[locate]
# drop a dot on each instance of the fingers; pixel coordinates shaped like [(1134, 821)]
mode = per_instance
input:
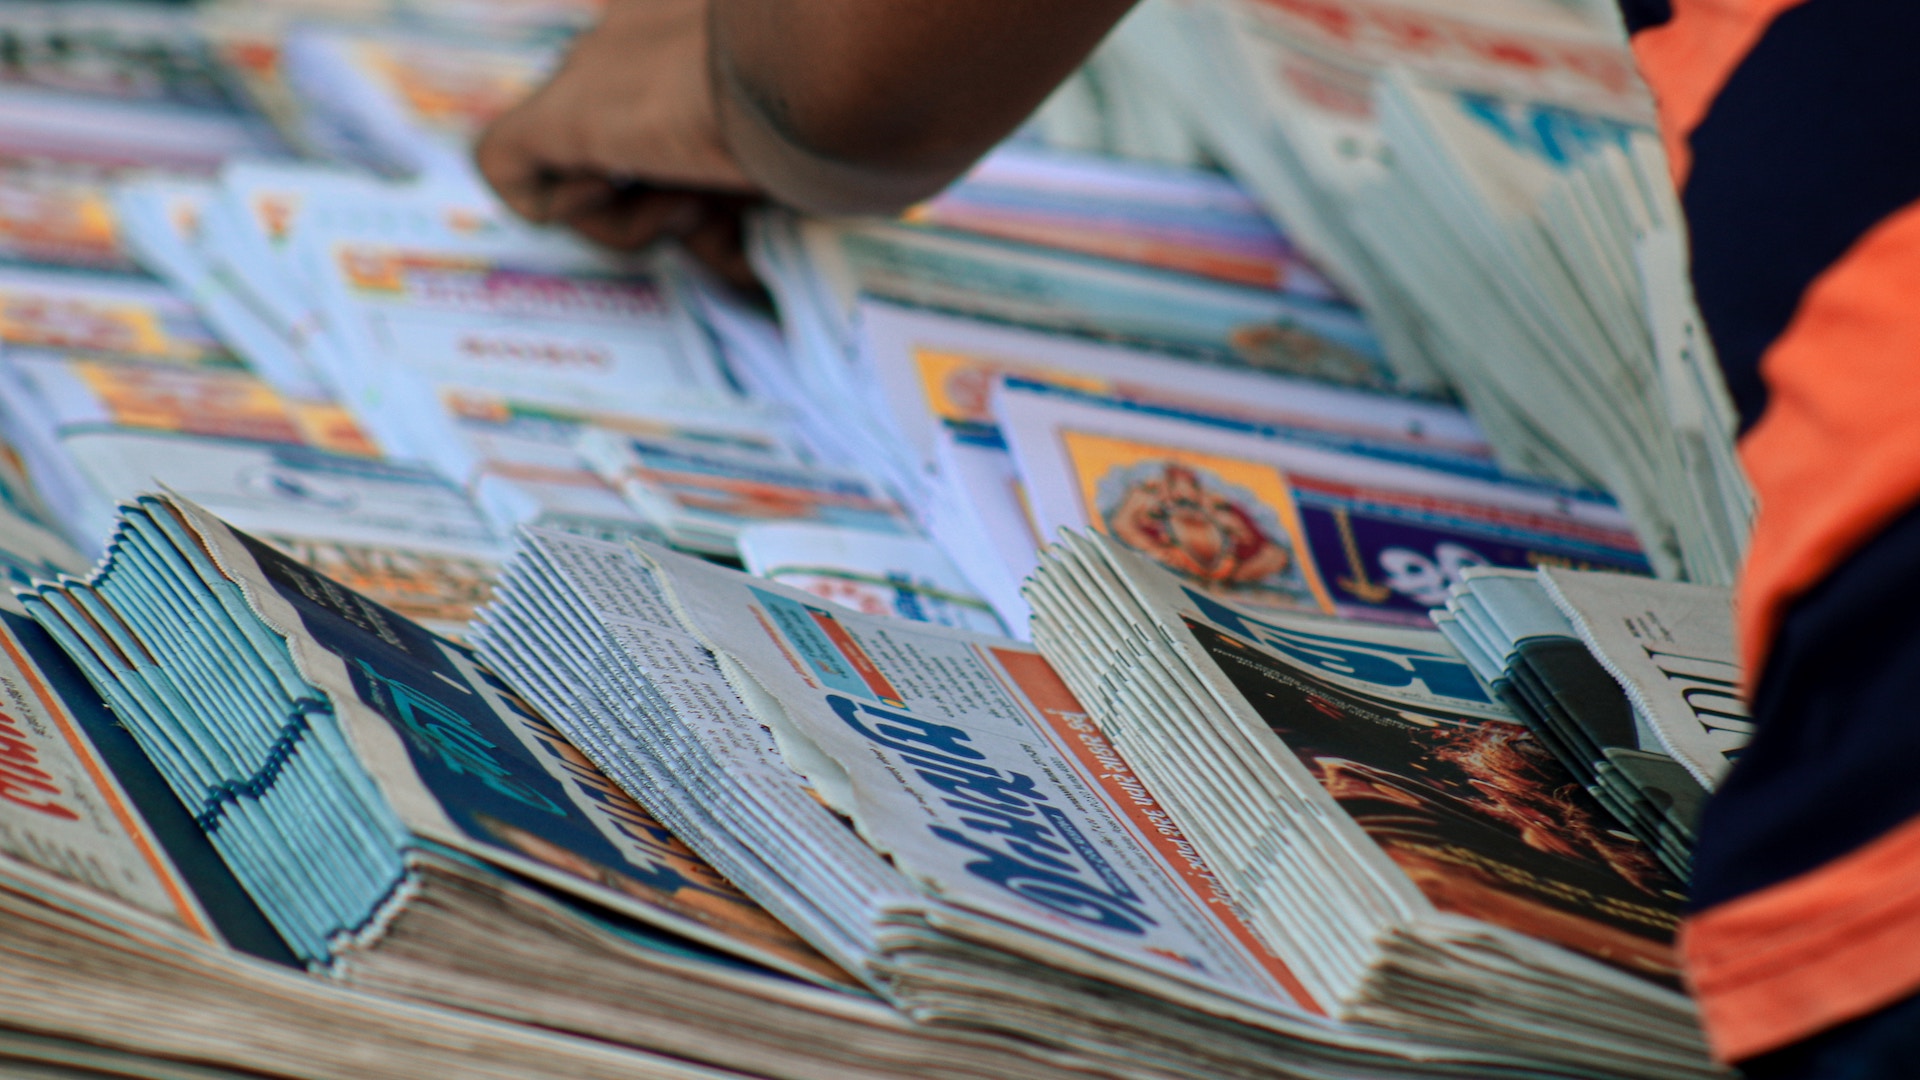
[(719, 243), (633, 100), (621, 215), (560, 156), (707, 225), (633, 218), (510, 158), (567, 197)]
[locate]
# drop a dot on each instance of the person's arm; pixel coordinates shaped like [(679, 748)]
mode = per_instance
[(867, 106), (833, 106), (622, 142)]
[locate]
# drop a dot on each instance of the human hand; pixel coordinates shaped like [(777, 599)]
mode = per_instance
[(623, 143)]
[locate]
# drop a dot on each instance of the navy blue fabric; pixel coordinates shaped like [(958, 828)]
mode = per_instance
[(1882, 1046), (1835, 762), (1811, 143), (1643, 14)]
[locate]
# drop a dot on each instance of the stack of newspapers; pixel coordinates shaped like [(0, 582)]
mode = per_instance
[(133, 948), (1632, 684), (1024, 863), (1386, 827), (894, 846), (1486, 180), (382, 695)]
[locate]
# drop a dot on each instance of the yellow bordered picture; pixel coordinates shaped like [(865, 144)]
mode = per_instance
[(1226, 524)]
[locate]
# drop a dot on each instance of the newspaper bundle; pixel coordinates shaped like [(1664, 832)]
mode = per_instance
[(1632, 683), (117, 906), (1485, 180), (1388, 829), (1008, 867)]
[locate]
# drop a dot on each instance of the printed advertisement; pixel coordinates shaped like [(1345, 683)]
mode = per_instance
[(1482, 818), (1251, 531)]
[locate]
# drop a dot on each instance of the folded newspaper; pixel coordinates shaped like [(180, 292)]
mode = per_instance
[(1632, 683), (1008, 869), (701, 495), (1391, 832)]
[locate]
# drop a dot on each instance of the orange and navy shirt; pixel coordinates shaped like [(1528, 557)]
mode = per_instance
[(1793, 129)]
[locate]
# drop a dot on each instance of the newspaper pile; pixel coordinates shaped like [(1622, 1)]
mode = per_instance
[(646, 816), (1013, 864), (397, 817), (132, 949), (1484, 178), (1387, 829), (1013, 391), (1633, 684)]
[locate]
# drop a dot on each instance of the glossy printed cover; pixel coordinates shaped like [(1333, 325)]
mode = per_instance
[(1482, 818), (512, 788), (1393, 726)]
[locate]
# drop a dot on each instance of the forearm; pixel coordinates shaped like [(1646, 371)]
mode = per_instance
[(866, 106), (832, 106)]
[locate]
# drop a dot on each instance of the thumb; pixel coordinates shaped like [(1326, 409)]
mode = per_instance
[(521, 170)]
